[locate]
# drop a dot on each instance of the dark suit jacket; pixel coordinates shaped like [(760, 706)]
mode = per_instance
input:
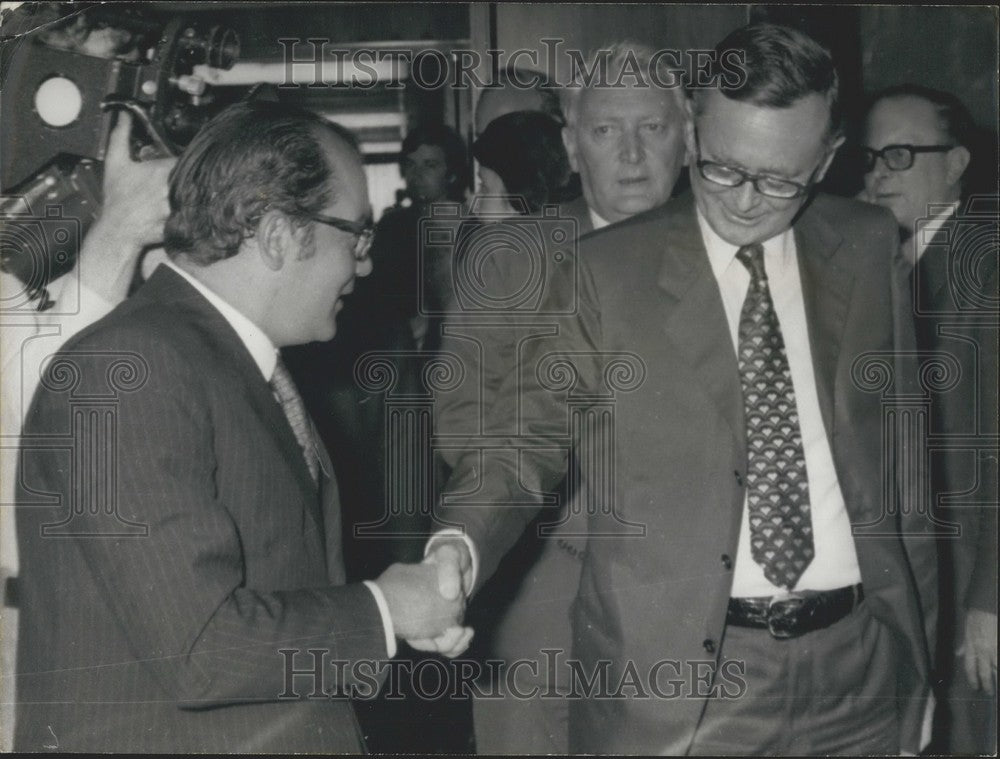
[(645, 291), (955, 298), (167, 638)]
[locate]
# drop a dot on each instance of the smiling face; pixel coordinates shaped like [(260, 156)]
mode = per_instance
[(628, 146), (933, 178), (786, 143), (321, 270)]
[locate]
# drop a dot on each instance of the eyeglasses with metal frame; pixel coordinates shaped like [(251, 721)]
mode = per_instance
[(769, 186)]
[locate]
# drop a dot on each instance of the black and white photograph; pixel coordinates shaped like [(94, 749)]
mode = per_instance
[(496, 378)]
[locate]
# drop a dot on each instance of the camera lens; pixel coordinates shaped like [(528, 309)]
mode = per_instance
[(58, 101)]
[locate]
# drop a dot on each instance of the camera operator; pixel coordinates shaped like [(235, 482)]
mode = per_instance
[(134, 210)]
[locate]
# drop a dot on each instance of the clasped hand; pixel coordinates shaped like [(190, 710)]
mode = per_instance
[(427, 601)]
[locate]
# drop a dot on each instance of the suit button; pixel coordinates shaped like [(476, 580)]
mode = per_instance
[(726, 561), (709, 645), (739, 478)]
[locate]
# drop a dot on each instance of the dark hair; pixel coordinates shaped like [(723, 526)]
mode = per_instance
[(453, 147), (546, 87), (251, 158), (781, 65), (956, 121), (525, 148)]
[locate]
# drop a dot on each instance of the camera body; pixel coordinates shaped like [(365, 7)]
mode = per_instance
[(502, 265), (55, 100), (57, 105)]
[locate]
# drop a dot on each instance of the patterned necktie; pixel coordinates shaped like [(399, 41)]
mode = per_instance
[(288, 396), (777, 487)]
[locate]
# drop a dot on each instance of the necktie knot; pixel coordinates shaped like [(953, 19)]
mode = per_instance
[(752, 257)]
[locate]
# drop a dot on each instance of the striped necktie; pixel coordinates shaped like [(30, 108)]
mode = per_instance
[(288, 396)]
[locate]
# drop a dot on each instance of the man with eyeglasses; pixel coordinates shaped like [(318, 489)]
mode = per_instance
[(182, 580), (917, 144), (726, 602)]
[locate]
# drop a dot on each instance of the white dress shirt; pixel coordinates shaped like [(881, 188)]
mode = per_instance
[(27, 338), (925, 231), (835, 563), (596, 219), (265, 355)]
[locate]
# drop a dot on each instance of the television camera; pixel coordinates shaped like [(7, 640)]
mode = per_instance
[(58, 101)]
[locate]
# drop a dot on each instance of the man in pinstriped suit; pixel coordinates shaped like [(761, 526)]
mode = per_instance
[(178, 525)]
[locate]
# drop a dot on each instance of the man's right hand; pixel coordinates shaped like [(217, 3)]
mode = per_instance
[(417, 608), (133, 212), (453, 562)]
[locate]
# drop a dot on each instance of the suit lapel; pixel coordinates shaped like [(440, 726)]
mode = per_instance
[(693, 315), (168, 287), (826, 290)]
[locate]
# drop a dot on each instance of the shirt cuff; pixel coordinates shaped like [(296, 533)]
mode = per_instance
[(452, 532), (383, 609), (928, 723)]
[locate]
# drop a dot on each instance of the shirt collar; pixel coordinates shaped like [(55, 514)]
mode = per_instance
[(598, 221), (261, 349), (721, 254), (927, 229)]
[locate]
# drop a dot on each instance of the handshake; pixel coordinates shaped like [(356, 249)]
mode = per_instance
[(427, 601)]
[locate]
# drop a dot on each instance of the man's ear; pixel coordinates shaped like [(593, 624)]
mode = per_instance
[(275, 239), (957, 162), (831, 152), (569, 142), (691, 153)]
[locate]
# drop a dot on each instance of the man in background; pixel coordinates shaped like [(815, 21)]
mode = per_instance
[(627, 144), (191, 563), (918, 146)]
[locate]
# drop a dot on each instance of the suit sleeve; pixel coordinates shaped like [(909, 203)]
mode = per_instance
[(523, 412), (180, 594), (919, 539)]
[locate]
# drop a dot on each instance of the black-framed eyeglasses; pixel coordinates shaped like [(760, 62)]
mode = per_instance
[(730, 176), (364, 230), (899, 157)]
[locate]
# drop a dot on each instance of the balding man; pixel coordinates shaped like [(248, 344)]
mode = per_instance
[(174, 592), (627, 143)]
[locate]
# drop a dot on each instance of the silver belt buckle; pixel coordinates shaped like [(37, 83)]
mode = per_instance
[(778, 624)]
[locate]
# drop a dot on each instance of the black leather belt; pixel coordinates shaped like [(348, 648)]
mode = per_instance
[(797, 613)]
